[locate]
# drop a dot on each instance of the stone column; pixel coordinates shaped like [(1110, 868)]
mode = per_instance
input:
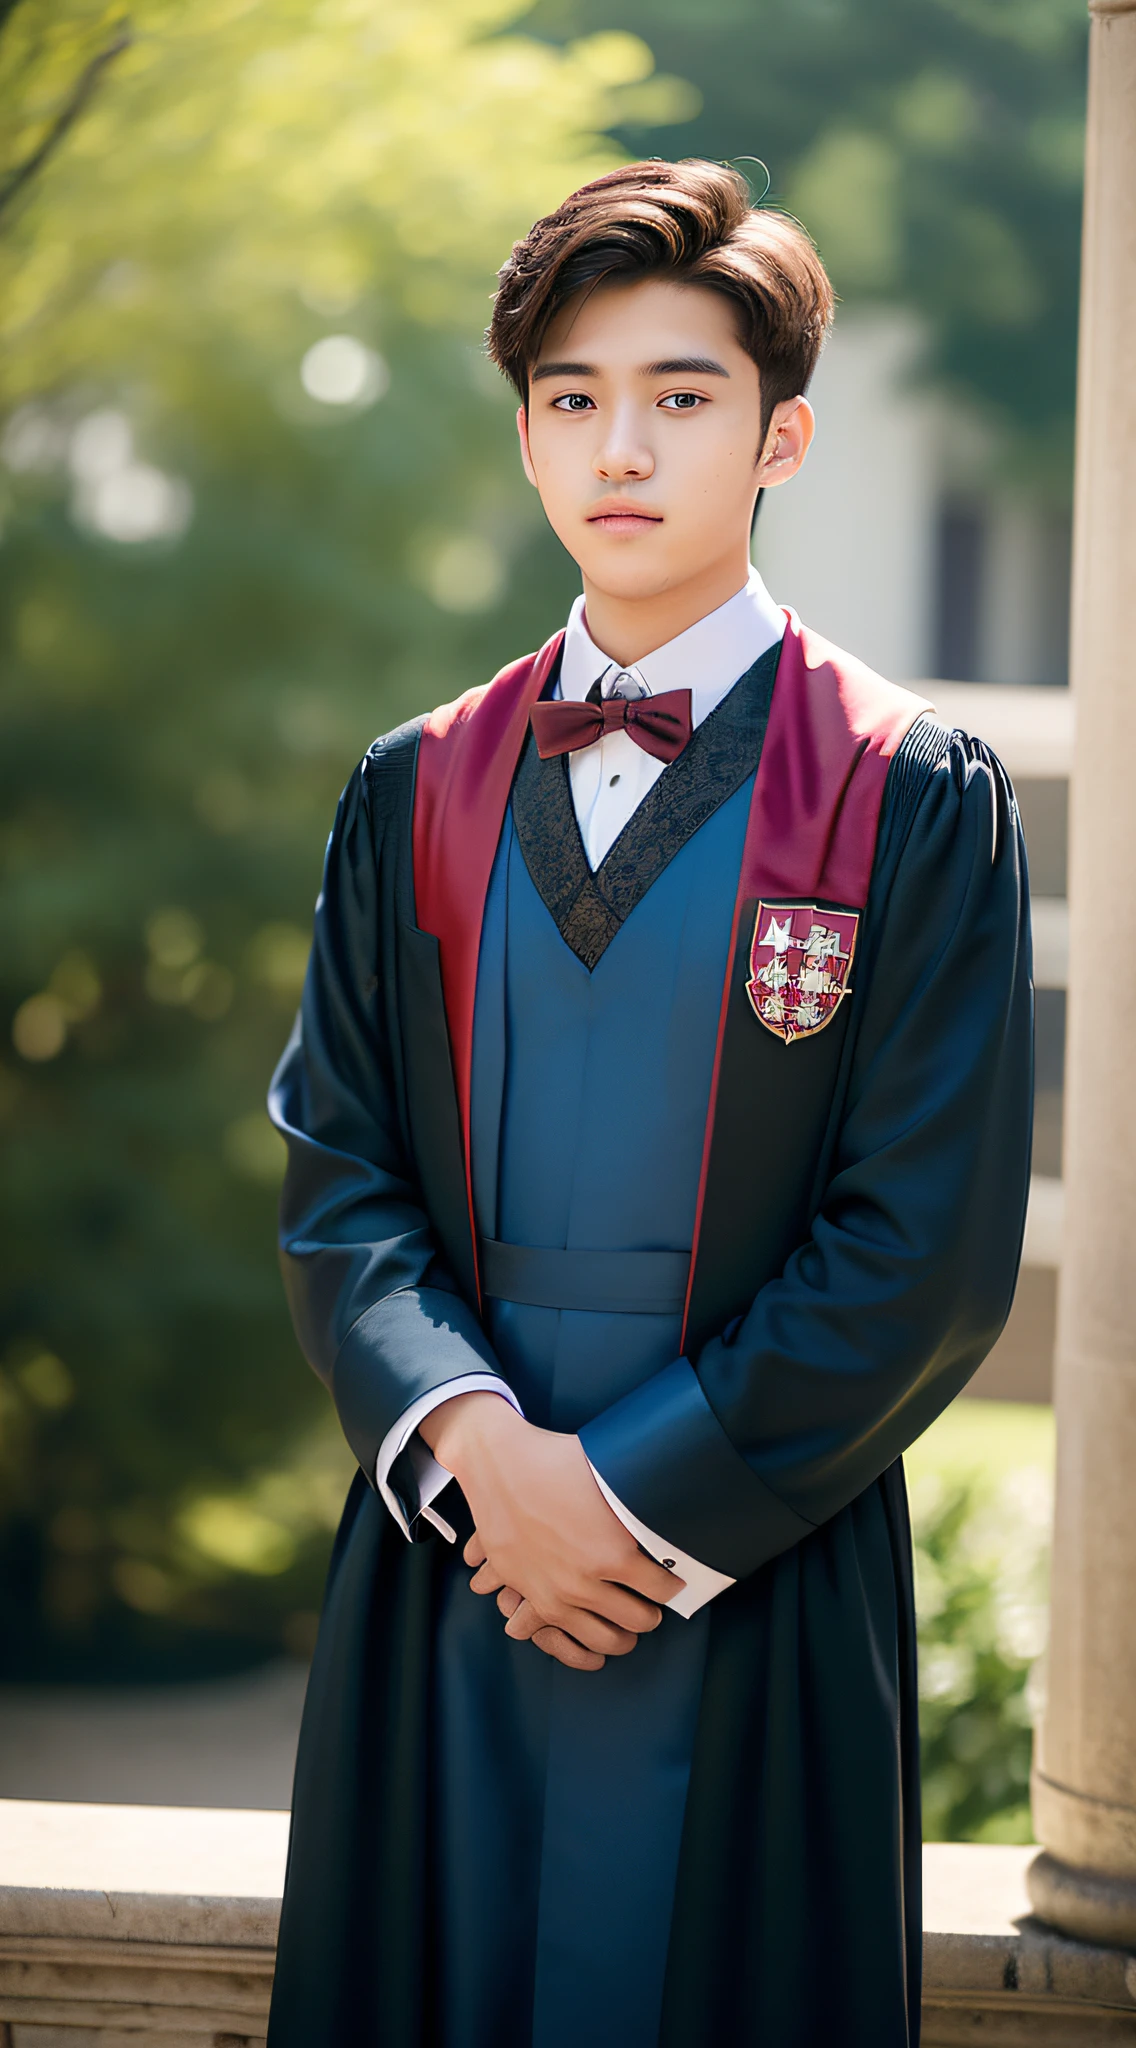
[(1085, 1766)]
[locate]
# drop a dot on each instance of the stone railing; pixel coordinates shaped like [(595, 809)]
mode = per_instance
[(993, 1974), (152, 1927), (126, 1926)]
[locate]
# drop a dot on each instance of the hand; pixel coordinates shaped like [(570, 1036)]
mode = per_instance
[(529, 1626), (544, 1528)]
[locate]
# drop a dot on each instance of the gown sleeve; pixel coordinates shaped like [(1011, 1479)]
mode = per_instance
[(376, 1310), (906, 1279)]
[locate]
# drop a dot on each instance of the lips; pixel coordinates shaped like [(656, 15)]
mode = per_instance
[(623, 519)]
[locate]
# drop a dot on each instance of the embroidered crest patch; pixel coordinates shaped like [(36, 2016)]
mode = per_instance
[(799, 964)]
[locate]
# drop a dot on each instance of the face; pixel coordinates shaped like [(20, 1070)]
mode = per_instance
[(643, 437)]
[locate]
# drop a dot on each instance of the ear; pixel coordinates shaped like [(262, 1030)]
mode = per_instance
[(526, 452), (787, 443)]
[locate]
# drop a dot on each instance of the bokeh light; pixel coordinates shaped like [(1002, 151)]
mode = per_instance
[(339, 370)]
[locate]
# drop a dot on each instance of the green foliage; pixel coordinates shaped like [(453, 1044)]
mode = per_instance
[(220, 585), (981, 1525), (934, 150), (250, 169)]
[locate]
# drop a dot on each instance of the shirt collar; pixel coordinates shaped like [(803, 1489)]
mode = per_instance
[(706, 659)]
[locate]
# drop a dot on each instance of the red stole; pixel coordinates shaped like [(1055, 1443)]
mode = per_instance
[(833, 728)]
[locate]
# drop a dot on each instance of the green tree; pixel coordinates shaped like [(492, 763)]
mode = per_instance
[(932, 147), (261, 502), (52, 65)]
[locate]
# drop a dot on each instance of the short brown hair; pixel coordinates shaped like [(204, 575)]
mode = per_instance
[(692, 222)]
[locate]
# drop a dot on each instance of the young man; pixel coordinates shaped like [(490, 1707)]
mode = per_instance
[(658, 1118)]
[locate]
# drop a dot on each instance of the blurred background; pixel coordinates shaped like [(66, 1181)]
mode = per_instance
[(259, 501)]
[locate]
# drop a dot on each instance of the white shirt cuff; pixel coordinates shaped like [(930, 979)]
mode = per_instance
[(703, 1583), (430, 1477)]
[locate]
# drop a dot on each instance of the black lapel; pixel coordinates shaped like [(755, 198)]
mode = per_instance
[(588, 908)]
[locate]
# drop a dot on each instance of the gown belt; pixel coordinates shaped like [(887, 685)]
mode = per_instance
[(621, 1283)]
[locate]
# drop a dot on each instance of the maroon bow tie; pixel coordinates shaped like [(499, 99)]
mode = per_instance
[(660, 725)]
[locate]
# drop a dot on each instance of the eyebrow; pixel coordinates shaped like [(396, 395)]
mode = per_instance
[(695, 366), (563, 370), (673, 366)]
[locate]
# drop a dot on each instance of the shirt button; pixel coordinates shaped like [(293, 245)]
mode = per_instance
[(612, 783), (668, 1564)]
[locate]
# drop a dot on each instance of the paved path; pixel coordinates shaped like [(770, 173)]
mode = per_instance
[(229, 1742)]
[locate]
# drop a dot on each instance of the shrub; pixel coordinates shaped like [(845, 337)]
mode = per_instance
[(981, 1559)]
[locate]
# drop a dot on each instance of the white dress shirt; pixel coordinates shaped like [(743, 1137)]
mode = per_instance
[(609, 780), (611, 777)]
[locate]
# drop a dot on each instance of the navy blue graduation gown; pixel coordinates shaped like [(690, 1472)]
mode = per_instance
[(715, 1838)]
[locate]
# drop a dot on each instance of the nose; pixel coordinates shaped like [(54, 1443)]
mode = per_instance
[(623, 455)]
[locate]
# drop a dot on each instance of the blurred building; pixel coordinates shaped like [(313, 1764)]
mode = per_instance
[(901, 540)]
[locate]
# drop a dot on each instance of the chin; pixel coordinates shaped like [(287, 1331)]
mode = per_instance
[(631, 580)]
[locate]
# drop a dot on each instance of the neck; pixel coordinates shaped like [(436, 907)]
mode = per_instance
[(627, 628)]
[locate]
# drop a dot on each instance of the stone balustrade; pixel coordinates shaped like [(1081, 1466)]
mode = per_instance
[(137, 1926), (153, 1927)]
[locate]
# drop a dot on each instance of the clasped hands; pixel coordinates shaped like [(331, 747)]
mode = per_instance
[(568, 1576)]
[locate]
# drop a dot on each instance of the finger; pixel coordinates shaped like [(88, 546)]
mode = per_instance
[(592, 1630), (566, 1650), (508, 1600), (644, 1576), (523, 1619), (524, 1623), (527, 1625), (616, 1604), (474, 1552), (487, 1580)]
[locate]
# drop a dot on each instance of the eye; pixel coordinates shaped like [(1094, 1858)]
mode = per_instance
[(574, 401), (682, 401)]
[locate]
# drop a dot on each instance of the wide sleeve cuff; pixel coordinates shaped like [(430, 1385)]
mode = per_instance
[(662, 1450), (406, 1345), (699, 1582), (407, 1473)]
